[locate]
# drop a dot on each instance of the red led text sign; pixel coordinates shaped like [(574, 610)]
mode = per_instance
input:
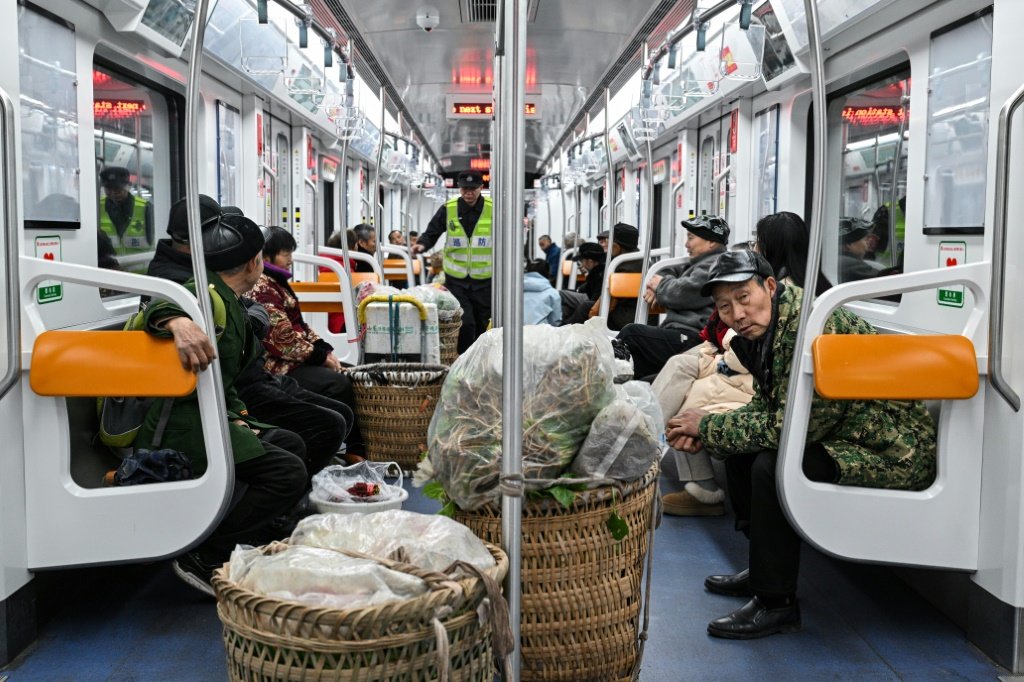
[(873, 116), (117, 108)]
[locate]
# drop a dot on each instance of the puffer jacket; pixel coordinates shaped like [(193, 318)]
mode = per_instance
[(875, 443), (703, 378), (541, 303), (290, 341), (679, 292)]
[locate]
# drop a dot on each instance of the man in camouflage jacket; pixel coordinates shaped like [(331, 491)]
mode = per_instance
[(869, 443)]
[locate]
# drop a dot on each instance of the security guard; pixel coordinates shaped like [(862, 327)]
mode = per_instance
[(125, 218), (468, 253)]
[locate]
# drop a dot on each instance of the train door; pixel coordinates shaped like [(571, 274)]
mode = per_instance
[(268, 168), (718, 172), (282, 194)]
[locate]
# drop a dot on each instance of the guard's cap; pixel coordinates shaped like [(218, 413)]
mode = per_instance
[(709, 227), (736, 266), (470, 179), (232, 241), (115, 177)]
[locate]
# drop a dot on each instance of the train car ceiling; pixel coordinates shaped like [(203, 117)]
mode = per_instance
[(445, 76)]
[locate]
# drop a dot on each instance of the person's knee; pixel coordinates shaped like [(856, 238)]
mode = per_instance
[(629, 332), (287, 440)]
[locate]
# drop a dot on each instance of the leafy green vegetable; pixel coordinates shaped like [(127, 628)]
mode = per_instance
[(448, 509), (565, 496), (617, 525), (435, 491)]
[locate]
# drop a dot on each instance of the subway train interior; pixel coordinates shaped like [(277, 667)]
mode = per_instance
[(318, 115)]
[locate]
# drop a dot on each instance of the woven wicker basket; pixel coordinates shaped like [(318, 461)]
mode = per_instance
[(581, 589), (449, 324), (394, 404), (269, 639)]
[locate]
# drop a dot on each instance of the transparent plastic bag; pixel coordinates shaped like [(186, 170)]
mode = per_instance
[(429, 541), (567, 380), (360, 482), (621, 444), (365, 289), (321, 577), (642, 395), (436, 294)]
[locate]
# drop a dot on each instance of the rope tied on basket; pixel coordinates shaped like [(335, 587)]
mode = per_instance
[(494, 609), (511, 485), (515, 485)]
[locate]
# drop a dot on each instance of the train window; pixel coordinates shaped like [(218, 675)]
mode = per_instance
[(766, 128), (716, 182), (124, 155), (957, 142), (708, 170), (229, 174), (872, 121), (49, 123)]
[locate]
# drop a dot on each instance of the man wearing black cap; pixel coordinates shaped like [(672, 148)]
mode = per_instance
[(125, 218), (269, 465), (854, 238), (620, 312), (866, 443), (468, 253), (678, 291)]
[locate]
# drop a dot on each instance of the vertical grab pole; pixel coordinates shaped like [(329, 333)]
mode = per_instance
[(10, 209), (511, 155), (649, 235), (817, 60), (498, 189), (609, 200), (375, 208), (195, 233)]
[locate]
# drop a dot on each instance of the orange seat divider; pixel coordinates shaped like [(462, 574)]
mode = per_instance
[(328, 276), (107, 363), (624, 284), (398, 265), (321, 287), (566, 268), (894, 367)]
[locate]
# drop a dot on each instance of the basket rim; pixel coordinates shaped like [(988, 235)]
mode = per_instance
[(362, 372), (469, 590)]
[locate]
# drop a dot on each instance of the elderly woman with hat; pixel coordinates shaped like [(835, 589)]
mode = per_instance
[(678, 291)]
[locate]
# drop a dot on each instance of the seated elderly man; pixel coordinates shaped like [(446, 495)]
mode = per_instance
[(868, 443), (678, 291)]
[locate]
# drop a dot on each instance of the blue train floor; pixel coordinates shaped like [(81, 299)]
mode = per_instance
[(859, 623)]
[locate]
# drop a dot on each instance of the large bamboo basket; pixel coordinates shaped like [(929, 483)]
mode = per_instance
[(581, 589), (271, 640), (394, 404), (449, 325)]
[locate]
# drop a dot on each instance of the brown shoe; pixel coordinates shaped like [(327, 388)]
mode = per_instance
[(683, 503)]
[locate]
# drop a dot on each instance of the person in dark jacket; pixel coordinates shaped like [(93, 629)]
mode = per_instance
[(320, 421), (576, 304), (552, 254), (620, 312), (268, 462), (678, 291)]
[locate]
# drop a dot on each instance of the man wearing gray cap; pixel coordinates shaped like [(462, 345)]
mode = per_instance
[(865, 443), (124, 217), (468, 253), (269, 469), (854, 236)]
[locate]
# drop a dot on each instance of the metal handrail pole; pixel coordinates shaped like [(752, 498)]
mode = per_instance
[(13, 373), (609, 200), (649, 228), (375, 207)]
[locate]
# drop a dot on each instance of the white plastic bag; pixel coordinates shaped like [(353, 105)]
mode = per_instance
[(642, 395), (567, 379), (337, 483), (436, 294), (429, 541), (321, 577)]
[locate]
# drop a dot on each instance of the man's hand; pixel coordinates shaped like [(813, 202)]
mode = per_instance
[(194, 347), (418, 248), (687, 444), (684, 424), (332, 362), (651, 288)]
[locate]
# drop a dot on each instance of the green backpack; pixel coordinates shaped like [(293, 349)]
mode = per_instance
[(121, 418)]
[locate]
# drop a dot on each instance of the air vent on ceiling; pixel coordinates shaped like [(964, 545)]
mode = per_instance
[(484, 11)]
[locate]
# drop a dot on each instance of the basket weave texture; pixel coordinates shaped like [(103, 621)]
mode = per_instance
[(394, 404), (270, 639), (449, 324), (581, 589)]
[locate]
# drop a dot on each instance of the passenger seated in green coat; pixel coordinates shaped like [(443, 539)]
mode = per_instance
[(870, 443), (270, 476)]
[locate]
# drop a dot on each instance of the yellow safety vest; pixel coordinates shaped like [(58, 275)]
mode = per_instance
[(465, 256), (134, 239)]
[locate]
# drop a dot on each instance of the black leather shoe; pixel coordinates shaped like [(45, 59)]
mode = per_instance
[(752, 620), (730, 585)]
